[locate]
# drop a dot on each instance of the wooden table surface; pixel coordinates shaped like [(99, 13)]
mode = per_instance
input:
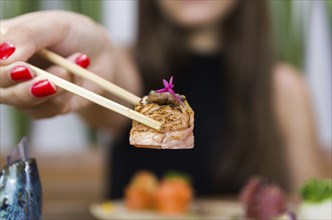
[(70, 183)]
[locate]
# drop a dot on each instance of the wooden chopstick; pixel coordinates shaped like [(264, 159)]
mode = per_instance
[(86, 74), (100, 100), (95, 98)]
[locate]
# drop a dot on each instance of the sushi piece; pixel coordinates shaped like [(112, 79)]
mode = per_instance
[(263, 200), (173, 195), (175, 114), (139, 193)]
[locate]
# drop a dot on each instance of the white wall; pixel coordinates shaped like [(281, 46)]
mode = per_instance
[(318, 67), (120, 18)]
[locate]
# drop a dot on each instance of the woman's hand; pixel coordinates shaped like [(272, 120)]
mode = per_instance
[(68, 34)]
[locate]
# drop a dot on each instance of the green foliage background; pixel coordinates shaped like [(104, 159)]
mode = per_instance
[(12, 8)]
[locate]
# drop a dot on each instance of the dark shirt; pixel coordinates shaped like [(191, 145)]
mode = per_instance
[(201, 84)]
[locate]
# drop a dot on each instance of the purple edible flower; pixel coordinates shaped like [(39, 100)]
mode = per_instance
[(169, 88)]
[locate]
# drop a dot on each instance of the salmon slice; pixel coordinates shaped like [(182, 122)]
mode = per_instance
[(139, 194)]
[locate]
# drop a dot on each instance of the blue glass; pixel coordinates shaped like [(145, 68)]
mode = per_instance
[(20, 187)]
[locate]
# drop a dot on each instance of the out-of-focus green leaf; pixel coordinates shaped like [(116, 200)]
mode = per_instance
[(316, 191), (12, 8), (21, 124), (172, 174), (329, 8), (288, 38), (91, 8)]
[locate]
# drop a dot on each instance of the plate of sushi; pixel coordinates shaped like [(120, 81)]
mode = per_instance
[(172, 197)]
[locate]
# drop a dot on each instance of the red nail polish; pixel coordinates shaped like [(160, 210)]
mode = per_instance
[(6, 49), (19, 73), (42, 88), (82, 60)]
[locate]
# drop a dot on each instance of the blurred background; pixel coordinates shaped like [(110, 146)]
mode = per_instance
[(302, 34)]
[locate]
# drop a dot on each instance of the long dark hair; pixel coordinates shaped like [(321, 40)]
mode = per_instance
[(251, 129)]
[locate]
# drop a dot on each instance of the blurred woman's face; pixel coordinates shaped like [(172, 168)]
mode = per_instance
[(196, 13)]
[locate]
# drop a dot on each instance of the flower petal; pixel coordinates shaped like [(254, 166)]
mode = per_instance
[(165, 83), (168, 88), (162, 90), (171, 81)]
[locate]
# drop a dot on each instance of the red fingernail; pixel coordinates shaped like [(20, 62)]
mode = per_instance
[(19, 73), (6, 49), (82, 60), (42, 88)]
